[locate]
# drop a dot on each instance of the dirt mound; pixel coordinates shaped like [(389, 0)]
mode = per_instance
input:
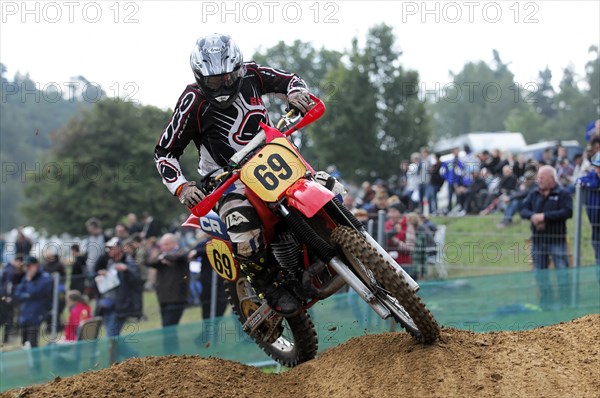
[(560, 360)]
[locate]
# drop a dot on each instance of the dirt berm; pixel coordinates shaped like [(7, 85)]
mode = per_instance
[(556, 361)]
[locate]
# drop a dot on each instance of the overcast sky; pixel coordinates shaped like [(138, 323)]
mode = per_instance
[(140, 49)]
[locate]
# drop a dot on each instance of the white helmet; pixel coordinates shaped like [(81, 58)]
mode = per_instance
[(218, 66)]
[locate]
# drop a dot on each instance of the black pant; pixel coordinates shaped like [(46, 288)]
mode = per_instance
[(30, 333), (170, 313), (6, 319)]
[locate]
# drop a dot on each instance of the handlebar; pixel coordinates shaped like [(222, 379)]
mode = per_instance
[(286, 118), (211, 200)]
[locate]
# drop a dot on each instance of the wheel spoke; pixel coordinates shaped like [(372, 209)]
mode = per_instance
[(407, 307), (296, 340)]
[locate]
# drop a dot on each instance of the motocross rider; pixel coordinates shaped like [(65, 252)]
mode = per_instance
[(221, 113)]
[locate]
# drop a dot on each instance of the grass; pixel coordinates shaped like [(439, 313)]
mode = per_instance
[(475, 246)]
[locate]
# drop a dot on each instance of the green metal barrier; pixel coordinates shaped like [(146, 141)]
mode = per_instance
[(480, 304)]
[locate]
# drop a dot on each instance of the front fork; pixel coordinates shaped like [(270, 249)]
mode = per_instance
[(328, 255), (347, 218), (359, 287)]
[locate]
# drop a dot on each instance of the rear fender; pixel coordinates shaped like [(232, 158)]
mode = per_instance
[(308, 196)]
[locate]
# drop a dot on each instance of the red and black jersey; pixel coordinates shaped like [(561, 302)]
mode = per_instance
[(218, 133)]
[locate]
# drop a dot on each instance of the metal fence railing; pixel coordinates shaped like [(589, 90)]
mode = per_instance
[(586, 208)]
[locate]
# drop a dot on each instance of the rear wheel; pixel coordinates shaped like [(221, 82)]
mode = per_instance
[(407, 308), (289, 341)]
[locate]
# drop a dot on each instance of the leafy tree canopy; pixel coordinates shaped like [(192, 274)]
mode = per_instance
[(102, 165)]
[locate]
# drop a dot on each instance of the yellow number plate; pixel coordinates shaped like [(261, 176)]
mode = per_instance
[(273, 170), (221, 259)]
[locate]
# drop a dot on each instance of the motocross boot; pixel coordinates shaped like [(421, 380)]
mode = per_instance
[(263, 281)]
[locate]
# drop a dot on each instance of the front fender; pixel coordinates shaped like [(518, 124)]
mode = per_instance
[(308, 196)]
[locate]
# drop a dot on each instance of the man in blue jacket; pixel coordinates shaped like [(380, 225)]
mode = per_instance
[(33, 293), (121, 298), (548, 208), (590, 183), (458, 179)]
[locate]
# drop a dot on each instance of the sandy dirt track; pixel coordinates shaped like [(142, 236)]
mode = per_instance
[(556, 361)]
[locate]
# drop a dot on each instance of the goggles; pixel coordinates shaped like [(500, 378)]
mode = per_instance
[(227, 80)]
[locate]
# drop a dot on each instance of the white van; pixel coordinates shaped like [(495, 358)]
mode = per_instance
[(477, 142), (481, 141), (536, 151)]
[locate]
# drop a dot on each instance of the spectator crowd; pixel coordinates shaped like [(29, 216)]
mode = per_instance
[(539, 191), (105, 276), (474, 183)]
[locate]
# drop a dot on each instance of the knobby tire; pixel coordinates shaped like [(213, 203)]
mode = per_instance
[(427, 329), (305, 343)]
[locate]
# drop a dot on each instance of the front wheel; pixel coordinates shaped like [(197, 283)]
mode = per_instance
[(407, 308), (289, 341)]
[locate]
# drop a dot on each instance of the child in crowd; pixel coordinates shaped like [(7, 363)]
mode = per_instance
[(79, 311)]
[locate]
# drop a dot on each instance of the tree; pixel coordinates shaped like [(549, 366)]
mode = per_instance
[(309, 63), (575, 109), (480, 98), (543, 95), (346, 136), (530, 123), (375, 119), (571, 109), (593, 77), (301, 58), (402, 120), (28, 116), (3, 79), (103, 167)]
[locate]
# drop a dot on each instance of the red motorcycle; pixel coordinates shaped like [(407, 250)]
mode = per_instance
[(315, 242)]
